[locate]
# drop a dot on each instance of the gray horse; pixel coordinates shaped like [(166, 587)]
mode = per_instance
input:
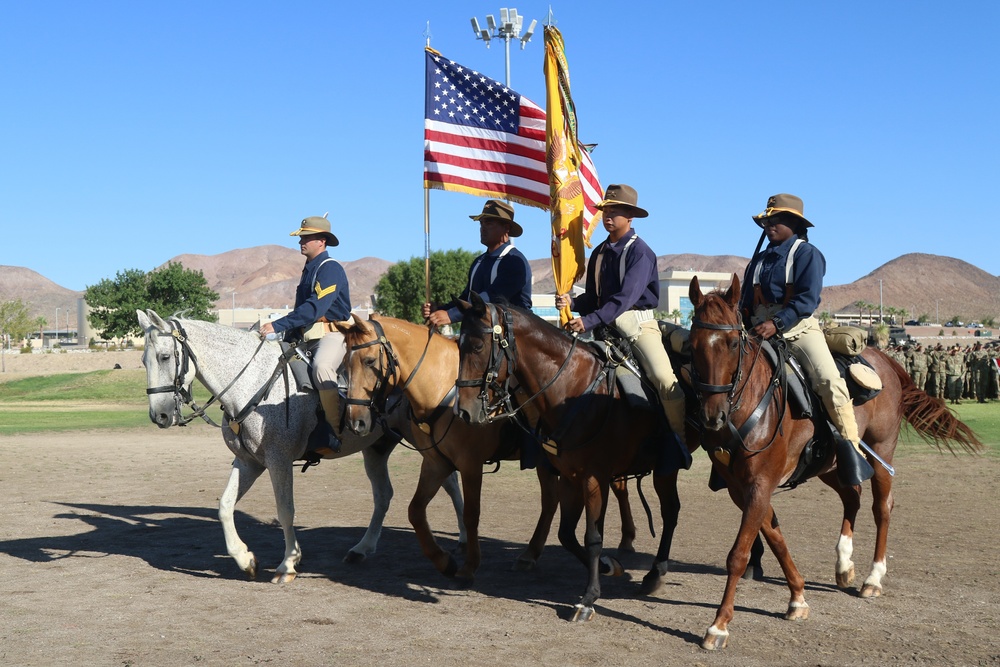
[(234, 365)]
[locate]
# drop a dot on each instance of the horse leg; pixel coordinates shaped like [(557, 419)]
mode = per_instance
[(432, 476), (377, 468), (241, 478), (850, 497), (472, 485), (594, 500), (281, 482), (758, 515), (454, 491), (548, 486), (882, 503), (670, 508), (755, 568), (620, 488)]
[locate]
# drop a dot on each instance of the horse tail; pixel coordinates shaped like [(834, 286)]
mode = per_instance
[(931, 418)]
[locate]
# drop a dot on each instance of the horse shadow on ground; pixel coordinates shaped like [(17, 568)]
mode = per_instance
[(189, 540)]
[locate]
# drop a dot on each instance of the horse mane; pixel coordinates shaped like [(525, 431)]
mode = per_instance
[(715, 308)]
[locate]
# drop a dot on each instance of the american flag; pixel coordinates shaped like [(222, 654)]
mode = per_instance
[(484, 139)]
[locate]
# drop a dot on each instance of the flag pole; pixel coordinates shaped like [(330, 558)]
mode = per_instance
[(427, 215)]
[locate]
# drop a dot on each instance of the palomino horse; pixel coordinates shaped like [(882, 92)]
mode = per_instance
[(385, 354), (234, 365), (510, 356), (739, 394)]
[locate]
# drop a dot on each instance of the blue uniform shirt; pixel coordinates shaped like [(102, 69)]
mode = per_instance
[(513, 279), (807, 280), (640, 289), (322, 292)]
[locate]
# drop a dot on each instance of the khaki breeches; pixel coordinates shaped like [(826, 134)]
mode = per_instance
[(327, 357)]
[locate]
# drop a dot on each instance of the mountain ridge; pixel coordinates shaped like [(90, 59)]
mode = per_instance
[(265, 277)]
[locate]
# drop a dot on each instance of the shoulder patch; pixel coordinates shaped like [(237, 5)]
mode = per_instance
[(323, 291)]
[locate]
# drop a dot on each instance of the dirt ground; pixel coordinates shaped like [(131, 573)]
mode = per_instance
[(112, 555)]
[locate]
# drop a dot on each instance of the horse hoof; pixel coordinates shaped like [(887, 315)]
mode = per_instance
[(251, 568), (846, 578), (583, 614), (283, 577), (524, 564), (651, 583), (626, 548), (715, 639), (464, 580), (354, 557), (755, 572), (871, 591), (797, 611), (450, 568), (611, 567)]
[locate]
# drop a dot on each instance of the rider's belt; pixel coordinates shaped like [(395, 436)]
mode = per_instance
[(318, 330), (628, 322)]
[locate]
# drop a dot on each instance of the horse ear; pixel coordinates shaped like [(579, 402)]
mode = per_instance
[(346, 326), (733, 293), (694, 292), (144, 322), (157, 321)]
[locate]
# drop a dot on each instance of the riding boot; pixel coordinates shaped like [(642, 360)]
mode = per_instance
[(676, 454), (853, 467), (326, 443)]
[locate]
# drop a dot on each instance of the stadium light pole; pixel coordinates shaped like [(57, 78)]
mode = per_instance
[(57, 326), (507, 29)]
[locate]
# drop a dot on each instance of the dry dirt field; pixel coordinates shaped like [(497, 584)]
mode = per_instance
[(112, 555)]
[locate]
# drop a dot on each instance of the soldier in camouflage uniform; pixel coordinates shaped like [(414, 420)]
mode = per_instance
[(954, 365), (918, 367), (993, 383), (978, 368)]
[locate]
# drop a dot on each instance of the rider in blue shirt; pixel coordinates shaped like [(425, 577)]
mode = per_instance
[(781, 291), (500, 272), (321, 298)]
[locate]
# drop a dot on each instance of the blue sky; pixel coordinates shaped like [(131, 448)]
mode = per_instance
[(137, 131)]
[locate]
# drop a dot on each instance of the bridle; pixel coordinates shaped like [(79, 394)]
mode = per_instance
[(385, 377), (503, 348), (185, 358), (738, 384)]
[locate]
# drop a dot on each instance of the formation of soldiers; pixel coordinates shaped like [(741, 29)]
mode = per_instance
[(952, 372)]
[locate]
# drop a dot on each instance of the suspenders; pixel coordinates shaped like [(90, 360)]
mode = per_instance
[(758, 294), (621, 264), (496, 265)]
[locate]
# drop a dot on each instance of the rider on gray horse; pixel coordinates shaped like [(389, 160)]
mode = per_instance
[(321, 298)]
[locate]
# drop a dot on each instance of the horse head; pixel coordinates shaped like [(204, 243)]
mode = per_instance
[(485, 343), (370, 368), (718, 344), (170, 369)]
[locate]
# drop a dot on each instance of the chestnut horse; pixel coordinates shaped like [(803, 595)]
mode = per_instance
[(386, 354), (732, 379), (510, 356)]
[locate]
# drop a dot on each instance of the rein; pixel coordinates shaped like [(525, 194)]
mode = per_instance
[(736, 388), (388, 367), (186, 356), (504, 347)]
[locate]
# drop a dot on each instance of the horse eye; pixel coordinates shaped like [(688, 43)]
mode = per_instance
[(369, 362), (165, 357)]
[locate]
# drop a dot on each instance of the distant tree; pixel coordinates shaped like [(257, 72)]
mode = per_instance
[(168, 290), (401, 291), (15, 324), (825, 319), (862, 306), (675, 315), (924, 318), (988, 321), (880, 332)]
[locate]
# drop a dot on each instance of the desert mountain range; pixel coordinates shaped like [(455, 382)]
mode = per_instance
[(266, 276)]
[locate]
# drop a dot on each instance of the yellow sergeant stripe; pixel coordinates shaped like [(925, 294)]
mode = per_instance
[(323, 291)]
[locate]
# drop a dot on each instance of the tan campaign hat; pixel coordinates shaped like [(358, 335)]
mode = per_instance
[(317, 225)]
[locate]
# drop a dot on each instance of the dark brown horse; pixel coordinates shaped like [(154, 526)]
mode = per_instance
[(514, 362), (733, 380), (387, 354)]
